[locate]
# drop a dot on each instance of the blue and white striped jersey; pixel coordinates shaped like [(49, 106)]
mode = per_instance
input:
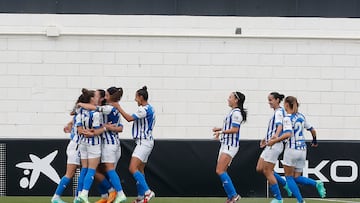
[(74, 136), (233, 119), (144, 121), (89, 119), (295, 124), (275, 121), (110, 115)]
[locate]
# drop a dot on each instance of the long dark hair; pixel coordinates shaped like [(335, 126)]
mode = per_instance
[(143, 92), (85, 97), (102, 95), (277, 95), (240, 104), (115, 93)]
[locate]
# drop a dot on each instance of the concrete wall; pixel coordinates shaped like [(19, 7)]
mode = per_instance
[(190, 65)]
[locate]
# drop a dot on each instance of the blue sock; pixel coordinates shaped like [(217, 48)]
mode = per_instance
[(305, 181), (104, 186), (228, 185), (89, 178), (62, 185), (81, 178), (279, 179), (294, 188), (115, 180), (276, 191), (140, 179)]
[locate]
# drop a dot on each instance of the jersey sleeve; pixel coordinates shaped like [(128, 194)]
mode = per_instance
[(279, 118), (307, 125), (119, 123), (96, 120), (78, 121), (236, 119), (287, 126), (105, 109), (140, 113)]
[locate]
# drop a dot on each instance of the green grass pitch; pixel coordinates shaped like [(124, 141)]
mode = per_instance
[(179, 200)]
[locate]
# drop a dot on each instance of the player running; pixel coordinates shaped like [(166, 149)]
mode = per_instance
[(143, 123), (229, 136), (270, 154), (295, 149)]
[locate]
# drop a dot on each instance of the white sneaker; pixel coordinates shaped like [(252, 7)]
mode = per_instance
[(148, 196)]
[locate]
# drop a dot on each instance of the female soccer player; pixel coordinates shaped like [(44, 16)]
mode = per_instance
[(88, 124), (270, 155), (143, 124), (229, 136), (110, 149), (73, 158), (295, 149)]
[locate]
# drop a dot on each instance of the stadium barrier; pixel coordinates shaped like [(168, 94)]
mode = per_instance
[(30, 167)]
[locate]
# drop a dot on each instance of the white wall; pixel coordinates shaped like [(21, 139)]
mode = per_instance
[(190, 65)]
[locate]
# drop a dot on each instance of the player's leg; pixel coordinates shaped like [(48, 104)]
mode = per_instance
[(270, 156), (94, 153), (65, 180), (226, 154), (73, 161), (138, 160), (319, 185), (104, 186), (290, 159)]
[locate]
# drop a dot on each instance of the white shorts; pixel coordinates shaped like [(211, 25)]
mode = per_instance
[(271, 153), (110, 153), (73, 153), (295, 158), (88, 151), (229, 150), (143, 149)]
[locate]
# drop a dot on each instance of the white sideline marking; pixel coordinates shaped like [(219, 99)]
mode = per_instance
[(333, 200)]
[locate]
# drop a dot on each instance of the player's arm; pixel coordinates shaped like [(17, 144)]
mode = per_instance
[(86, 106), (113, 127), (313, 134), (287, 131), (279, 124), (127, 116), (68, 126)]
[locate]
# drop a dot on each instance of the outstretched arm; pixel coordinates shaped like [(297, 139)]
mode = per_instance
[(127, 116)]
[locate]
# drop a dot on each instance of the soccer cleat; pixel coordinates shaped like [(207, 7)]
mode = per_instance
[(287, 189), (138, 200), (121, 198), (102, 200), (235, 198), (148, 196), (112, 196), (320, 188), (77, 200), (83, 199), (57, 200), (276, 201)]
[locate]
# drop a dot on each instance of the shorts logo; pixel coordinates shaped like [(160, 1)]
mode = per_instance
[(37, 166)]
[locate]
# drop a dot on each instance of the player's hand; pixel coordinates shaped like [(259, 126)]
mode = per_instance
[(88, 133), (109, 126), (215, 129), (216, 135), (271, 142), (314, 142), (262, 143), (67, 129)]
